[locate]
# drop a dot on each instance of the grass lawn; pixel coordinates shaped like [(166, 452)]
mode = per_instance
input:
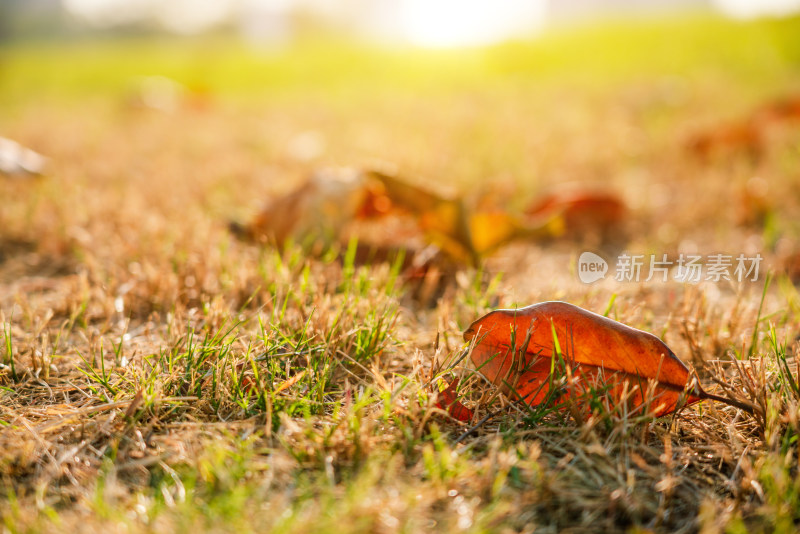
[(160, 375)]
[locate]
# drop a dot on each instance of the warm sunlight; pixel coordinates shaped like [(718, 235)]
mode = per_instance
[(443, 23), (449, 23), (425, 23), (745, 9)]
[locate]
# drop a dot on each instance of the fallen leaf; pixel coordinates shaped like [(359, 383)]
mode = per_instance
[(491, 230), (448, 401), (444, 220), (754, 203), (317, 210), (385, 212), (247, 384), (463, 235), (332, 200), (782, 109), (578, 212), (790, 265), (748, 134), (740, 136), (522, 352)]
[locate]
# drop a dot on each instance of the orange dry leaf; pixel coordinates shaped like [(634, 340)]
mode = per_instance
[(742, 136), (492, 230), (448, 401), (755, 205), (748, 134), (556, 350), (464, 236), (581, 211), (337, 204), (790, 265), (442, 219), (785, 108), (319, 209), (332, 201)]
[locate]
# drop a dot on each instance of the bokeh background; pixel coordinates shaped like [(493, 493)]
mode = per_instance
[(160, 374), (171, 118), (437, 24)]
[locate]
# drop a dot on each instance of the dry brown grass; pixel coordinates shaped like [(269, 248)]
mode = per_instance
[(169, 378)]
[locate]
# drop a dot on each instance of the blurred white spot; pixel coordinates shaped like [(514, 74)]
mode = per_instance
[(192, 16), (450, 23), (16, 160), (389, 520), (108, 12), (687, 246), (747, 9), (159, 93), (266, 22), (667, 233), (306, 146)]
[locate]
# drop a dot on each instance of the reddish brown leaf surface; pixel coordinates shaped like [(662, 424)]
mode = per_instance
[(786, 108), (755, 203), (581, 211), (448, 401), (748, 134), (742, 136), (319, 208), (386, 211), (625, 364)]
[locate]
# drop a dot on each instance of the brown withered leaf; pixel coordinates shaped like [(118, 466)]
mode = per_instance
[(491, 230), (755, 204), (443, 220), (335, 205), (558, 352), (789, 263), (448, 401), (785, 108), (326, 206), (581, 211), (320, 208), (740, 136), (748, 134), (463, 235)]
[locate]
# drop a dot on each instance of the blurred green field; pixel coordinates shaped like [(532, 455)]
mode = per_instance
[(756, 55)]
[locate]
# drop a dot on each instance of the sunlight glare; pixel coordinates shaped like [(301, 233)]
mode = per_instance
[(746, 9), (452, 23), (107, 12)]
